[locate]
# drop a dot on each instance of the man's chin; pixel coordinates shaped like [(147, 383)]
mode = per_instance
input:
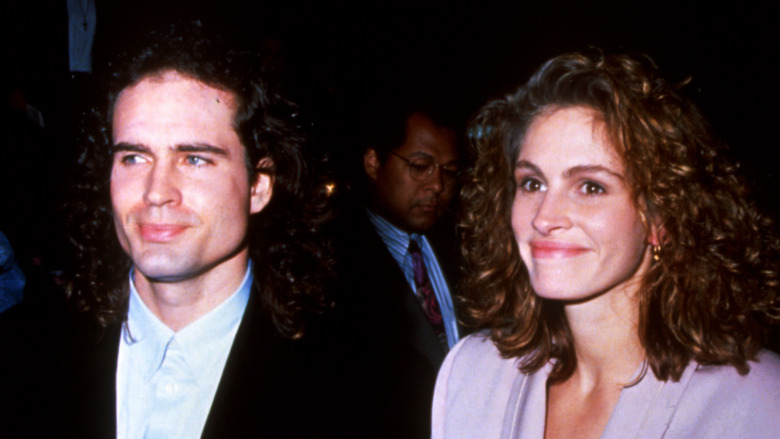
[(422, 223), (164, 268)]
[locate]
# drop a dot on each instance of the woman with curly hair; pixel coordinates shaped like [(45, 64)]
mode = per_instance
[(622, 279)]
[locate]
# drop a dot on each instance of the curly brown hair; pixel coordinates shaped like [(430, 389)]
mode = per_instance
[(713, 292), (292, 260)]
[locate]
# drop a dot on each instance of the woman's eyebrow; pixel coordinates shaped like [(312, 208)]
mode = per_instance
[(571, 172), (525, 164), (590, 169)]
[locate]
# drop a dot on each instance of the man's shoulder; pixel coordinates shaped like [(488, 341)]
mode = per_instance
[(359, 247), (67, 357), (353, 226)]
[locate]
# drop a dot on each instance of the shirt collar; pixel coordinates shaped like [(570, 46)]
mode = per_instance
[(149, 337), (396, 240)]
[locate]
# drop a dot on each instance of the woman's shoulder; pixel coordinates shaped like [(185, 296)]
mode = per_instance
[(720, 402), (477, 352), (473, 389), (761, 382)]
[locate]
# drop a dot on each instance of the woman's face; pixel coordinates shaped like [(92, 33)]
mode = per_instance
[(578, 230)]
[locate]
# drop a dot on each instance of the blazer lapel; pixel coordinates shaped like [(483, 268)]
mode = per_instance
[(526, 411), (645, 410), (269, 386), (243, 397), (419, 332)]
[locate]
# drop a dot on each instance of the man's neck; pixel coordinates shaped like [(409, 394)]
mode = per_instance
[(177, 304), (385, 222)]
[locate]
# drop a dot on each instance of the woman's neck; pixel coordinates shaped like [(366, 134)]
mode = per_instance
[(606, 338)]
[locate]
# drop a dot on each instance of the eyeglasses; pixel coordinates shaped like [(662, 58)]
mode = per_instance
[(422, 168)]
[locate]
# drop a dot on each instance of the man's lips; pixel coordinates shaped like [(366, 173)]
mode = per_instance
[(427, 207), (160, 232), (555, 250)]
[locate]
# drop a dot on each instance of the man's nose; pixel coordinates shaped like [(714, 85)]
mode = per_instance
[(435, 180), (162, 185)]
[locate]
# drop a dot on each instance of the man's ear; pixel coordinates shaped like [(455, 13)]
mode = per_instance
[(262, 188), (371, 164)]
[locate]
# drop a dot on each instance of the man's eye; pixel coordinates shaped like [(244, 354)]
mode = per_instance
[(591, 188), (198, 161), (531, 185), (131, 159), (451, 171), (420, 167)]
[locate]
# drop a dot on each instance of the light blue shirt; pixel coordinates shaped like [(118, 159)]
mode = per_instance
[(166, 380), (397, 242)]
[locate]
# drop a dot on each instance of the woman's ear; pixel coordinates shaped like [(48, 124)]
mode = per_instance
[(262, 188), (656, 237)]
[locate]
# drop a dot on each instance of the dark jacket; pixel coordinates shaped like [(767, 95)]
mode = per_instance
[(377, 306), (60, 375)]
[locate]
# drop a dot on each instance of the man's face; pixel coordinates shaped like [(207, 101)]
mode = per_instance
[(410, 204), (180, 189)]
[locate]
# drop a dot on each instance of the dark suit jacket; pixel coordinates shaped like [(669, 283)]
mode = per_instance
[(62, 381), (377, 307)]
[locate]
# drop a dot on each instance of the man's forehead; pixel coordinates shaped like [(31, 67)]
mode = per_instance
[(218, 94), (170, 96), (425, 137)]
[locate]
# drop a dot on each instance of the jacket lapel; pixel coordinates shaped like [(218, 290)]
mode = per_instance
[(270, 384)]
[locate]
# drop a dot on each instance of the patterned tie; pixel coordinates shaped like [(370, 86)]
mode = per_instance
[(425, 293)]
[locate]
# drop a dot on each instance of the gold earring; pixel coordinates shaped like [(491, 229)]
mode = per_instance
[(656, 252)]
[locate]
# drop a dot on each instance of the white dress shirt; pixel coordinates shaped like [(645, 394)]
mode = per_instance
[(166, 380)]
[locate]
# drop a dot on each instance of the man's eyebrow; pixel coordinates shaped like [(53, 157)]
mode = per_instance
[(129, 147), (183, 147), (420, 154), (201, 147), (425, 155)]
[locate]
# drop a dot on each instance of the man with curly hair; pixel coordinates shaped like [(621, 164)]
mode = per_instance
[(196, 221)]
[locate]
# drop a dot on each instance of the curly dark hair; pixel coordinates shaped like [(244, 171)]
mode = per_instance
[(293, 262), (714, 290)]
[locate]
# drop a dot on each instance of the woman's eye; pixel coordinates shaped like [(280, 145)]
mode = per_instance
[(531, 185), (591, 188)]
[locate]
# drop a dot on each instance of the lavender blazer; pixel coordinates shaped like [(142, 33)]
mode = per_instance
[(481, 395)]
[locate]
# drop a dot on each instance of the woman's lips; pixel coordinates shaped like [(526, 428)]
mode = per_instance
[(555, 250), (160, 232)]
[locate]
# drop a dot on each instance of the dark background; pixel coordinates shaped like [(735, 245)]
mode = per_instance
[(468, 53), (337, 54)]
